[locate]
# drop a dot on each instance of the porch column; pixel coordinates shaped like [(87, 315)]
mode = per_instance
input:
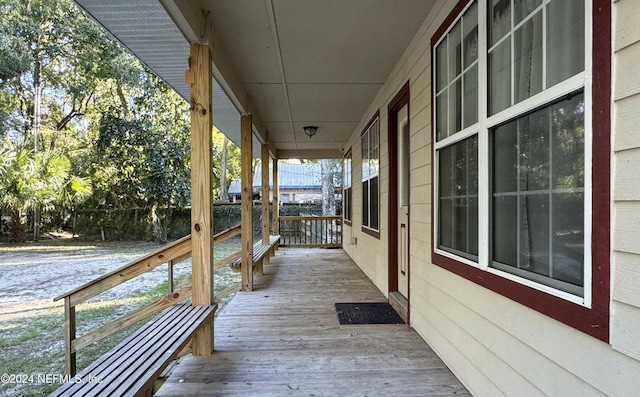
[(246, 198), (276, 198), (265, 193), (201, 192)]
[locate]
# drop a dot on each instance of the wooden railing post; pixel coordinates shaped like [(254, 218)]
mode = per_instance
[(170, 275), (69, 336)]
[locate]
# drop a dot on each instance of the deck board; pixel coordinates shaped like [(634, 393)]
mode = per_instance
[(284, 339)]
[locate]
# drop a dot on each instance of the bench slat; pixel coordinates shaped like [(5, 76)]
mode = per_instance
[(134, 364), (107, 359), (259, 251), (161, 356)]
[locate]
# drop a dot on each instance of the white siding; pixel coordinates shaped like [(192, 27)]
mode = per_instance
[(625, 327), (494, 345)]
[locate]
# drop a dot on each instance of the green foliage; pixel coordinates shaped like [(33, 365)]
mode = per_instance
[(111, 134), (31, 180)]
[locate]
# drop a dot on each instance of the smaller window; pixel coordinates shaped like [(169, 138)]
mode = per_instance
[(370, 177), (346, 189)]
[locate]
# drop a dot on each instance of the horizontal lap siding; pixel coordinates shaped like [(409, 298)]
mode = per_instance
[(625, 327), (497, 346)]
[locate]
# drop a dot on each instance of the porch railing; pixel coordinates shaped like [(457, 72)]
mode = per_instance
[(170, 254), (311, 231)]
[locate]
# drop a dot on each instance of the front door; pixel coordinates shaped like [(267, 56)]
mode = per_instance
[(403, 199)]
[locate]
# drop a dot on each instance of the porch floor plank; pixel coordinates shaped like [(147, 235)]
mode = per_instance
[(284, 339)]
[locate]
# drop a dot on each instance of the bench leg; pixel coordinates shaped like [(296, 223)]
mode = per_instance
[(259, 268)]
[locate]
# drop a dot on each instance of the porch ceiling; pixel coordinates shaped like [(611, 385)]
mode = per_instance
[(288, 62)]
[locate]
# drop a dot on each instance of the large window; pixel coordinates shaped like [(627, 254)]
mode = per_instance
[(346, 188), (514, 151), (370, 177)]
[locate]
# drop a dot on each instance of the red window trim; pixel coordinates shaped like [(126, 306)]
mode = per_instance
[(365, 229), (593, 321)]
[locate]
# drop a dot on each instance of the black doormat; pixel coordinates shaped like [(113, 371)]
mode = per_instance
[(367, 313)]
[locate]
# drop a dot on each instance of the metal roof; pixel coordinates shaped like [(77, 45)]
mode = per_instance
[(290, 176)]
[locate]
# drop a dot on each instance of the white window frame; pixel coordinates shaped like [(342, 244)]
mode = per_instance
[(581, 81), (369, 172)]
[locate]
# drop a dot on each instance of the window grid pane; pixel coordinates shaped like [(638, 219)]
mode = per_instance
[(458, 198), (457, 76), (538, 225), (533, 49)]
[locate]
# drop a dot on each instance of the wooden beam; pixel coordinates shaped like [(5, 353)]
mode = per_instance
[(201, 192), (246, 196), (276, 199), (265, 193)]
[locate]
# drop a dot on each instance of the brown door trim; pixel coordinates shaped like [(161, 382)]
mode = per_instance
[(398, 102)]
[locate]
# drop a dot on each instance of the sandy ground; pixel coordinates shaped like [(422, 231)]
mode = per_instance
[(30, 278)]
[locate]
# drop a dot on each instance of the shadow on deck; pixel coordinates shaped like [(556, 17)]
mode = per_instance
[(284, 339)]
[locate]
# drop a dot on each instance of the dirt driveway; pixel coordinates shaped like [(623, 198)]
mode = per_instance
[(31, 275)]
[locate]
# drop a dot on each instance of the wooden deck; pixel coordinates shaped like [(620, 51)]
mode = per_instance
[(284, 339)]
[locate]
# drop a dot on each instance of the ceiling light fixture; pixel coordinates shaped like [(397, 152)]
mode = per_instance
[(310, 130)]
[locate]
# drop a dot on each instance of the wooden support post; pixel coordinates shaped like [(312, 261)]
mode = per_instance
[(201, 192), (264, 203), (265, 193), (276, 199), (246, 197), (69, 336)]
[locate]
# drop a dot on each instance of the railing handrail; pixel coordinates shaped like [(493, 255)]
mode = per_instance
[(130, 270), (171, 253), (152, 260)]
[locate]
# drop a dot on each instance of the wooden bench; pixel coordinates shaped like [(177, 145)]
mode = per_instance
[(260, 252), (133, 366)]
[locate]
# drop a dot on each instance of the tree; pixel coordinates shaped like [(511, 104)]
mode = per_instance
[(31, 180), (328, 189)]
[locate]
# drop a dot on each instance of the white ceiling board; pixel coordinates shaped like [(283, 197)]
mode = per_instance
[(337, 41), (330, 102), (270, 98), (243, 29)]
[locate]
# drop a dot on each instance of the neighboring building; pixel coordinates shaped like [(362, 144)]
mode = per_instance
[(299, 183)]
